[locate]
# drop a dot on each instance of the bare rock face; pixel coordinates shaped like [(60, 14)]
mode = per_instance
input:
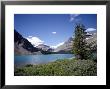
[(20, 50), (91, 38), (44, 47), (66, 47), (92, 41), (22, 46)]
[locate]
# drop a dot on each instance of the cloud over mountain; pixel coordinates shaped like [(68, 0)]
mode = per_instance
[(90, 29)]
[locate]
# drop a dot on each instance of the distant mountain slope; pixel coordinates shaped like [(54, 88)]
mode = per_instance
[(91, 38), (93, 41), (66, 47), (44, 47), (23, 47)]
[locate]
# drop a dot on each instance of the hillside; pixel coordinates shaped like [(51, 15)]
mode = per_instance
[(23, 47), (64, 67), (91, 39)]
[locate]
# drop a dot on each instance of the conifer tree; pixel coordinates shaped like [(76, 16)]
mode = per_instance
[(80, 47)]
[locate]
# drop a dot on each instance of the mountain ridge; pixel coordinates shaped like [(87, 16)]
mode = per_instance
[(23, 47), (91, 38)]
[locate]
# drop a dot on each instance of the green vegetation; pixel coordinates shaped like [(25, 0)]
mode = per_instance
[(66, 67), (80, 47), (87, 66)]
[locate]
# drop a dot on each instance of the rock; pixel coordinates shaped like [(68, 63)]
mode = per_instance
[(22, 46), (91, 38)]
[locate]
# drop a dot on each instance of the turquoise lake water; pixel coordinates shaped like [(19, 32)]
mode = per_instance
[(39, 59)]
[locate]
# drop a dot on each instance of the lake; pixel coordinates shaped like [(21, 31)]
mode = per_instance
[(23, 60)]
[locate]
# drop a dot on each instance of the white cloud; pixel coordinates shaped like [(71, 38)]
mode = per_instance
[(54, 32), (90, 29), (73, 16), (58, 45), (35, 41), (29, 36)]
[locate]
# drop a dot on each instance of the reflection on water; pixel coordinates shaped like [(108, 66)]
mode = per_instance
[(38, 59)]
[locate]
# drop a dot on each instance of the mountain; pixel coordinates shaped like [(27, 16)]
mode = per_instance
[(66, 47), (44, 47), (91, 39), (93, 32), (23, 47)]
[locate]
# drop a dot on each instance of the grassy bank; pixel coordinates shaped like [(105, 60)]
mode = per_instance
[(64, 67)]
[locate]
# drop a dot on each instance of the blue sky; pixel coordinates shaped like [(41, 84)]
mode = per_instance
[(51, 29)]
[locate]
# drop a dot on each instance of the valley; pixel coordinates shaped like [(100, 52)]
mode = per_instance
[(23, 47)]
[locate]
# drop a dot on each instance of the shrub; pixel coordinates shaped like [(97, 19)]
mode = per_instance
[(64, 67)]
